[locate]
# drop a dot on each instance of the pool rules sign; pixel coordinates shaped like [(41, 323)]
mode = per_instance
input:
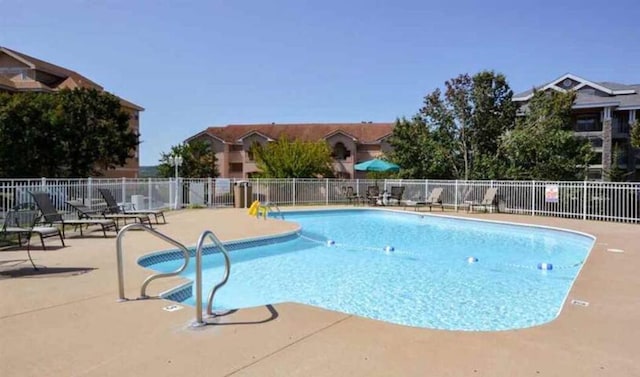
[(551, 193)]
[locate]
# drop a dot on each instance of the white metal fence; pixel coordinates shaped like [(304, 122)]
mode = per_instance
[(605, 201)]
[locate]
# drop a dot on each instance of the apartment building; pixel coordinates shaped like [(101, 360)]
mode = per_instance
[(20, 72), (350, 142), (603, 112)]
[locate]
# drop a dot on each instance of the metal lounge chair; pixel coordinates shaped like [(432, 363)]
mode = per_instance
[(85, 212), (488, 201), (21, 222), (396, 194), (113, 207), (50, 215), (434, 199), (373, 195), (351, 196)]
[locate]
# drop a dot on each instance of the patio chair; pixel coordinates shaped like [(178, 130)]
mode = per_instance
[(21, 222), (434, 199), (50, 215), (373, 195), (351, 196), (113, 207), (489, 200), (396, 194), (85, 212)]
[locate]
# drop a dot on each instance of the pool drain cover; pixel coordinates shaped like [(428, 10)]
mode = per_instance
[(172, 308)]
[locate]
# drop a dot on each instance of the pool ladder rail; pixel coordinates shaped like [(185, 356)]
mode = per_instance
[(270, 207), (200, 320)]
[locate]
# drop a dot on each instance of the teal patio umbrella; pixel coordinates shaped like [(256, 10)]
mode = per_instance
[(377, 165)]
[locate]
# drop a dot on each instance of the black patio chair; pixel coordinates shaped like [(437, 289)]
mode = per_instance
[(396, 194), (50, 215), (114, 207), (373, 195), (21, 221), (85, 212), (351, 195)]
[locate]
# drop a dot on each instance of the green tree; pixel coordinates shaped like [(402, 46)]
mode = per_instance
[(615, 173), (95, 129), (295, 159), (463, 126), (72, 133), (30, 144), (198, 161), (417, 153), (635, 134), (543, 146)]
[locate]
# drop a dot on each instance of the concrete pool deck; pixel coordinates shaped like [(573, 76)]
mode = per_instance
[(64, 319)]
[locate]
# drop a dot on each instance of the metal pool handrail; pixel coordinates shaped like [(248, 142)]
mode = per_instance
[(270, 207), (227, 264), (148, 280)]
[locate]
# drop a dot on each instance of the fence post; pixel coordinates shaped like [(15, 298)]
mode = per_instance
[(327, 191), (171, 191), (43, 183), (149, 193), (89, 202), (584, 201), (210, 192), (533, 198), (124, 191), (455, 205), (293, 191)]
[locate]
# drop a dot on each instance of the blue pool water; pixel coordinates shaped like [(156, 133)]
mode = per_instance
[(426, 281)]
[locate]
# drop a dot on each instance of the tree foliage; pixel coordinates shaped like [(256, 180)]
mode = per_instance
[(615, 173), (295, 159), (198, 161), (418, 152), (456, 133), (635, 134), (542, 146), (72, 133)]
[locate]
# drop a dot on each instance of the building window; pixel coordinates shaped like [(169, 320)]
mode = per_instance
[(340, 152), (235, 167), (596, 142), (587, 123), (343, 175)]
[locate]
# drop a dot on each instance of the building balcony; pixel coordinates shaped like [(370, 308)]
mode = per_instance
[(620, 130)]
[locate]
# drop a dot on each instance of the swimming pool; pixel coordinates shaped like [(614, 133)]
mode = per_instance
[(406, 269)]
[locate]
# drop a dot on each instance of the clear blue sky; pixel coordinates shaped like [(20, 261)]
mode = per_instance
[(193, 64)]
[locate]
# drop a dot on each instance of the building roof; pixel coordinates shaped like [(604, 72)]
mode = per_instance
[(364, 133), (50, 68), (7, 84), (68, 79), (590, 93)]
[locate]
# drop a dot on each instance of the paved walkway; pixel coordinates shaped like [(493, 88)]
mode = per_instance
[(65, 321)]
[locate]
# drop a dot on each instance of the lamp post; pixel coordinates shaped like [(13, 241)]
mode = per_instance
[(176, 162)]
